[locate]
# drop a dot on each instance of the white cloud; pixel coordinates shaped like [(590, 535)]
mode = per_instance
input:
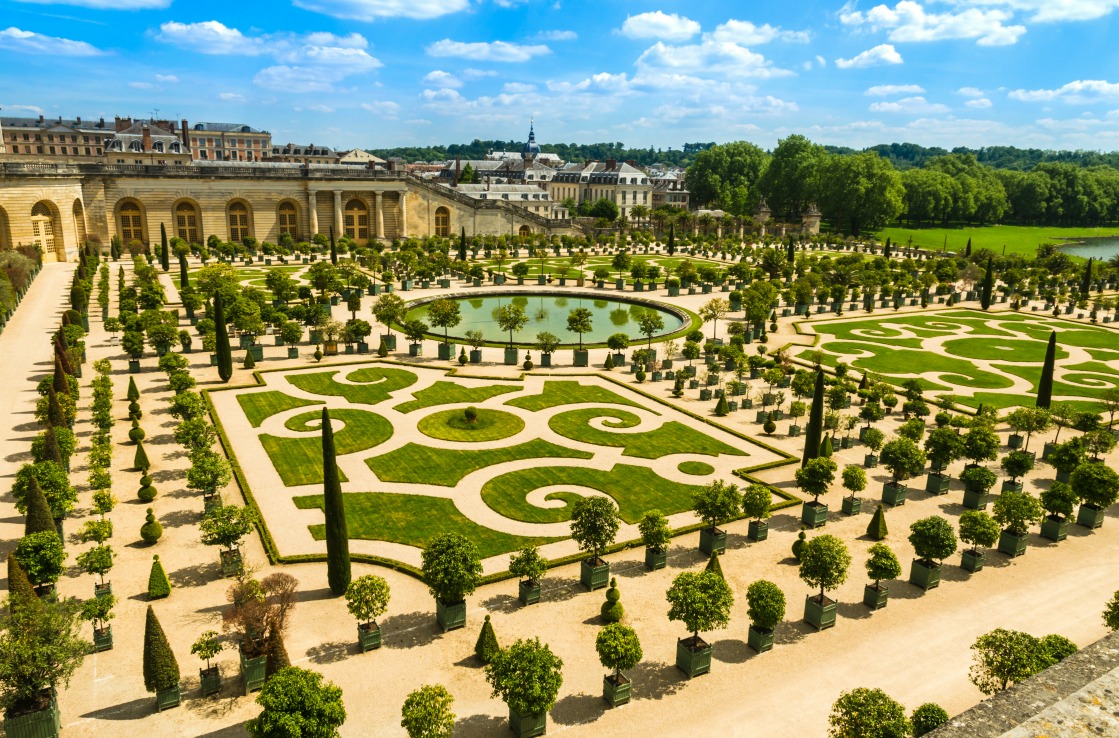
[(370, 10), (477, 73), (556, 36), (909, 106), (1078, 91), (908, 21), (142, 86), (703, 59), (441, 96), (1048, 11), (821, 61), (979, 103), (29, 108), (29, 42), (387, 109), (166, 78), (518, 87), (748, 34), (439, 78), (231, 96), (209, 37), (669, 27), (107, 4), (284, 78), (879, 55), (418, 122), (494, 51), (887, 90), (970, 92)]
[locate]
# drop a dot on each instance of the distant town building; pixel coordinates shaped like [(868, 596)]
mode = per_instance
[(669, 190), (57, 139), (228, 142), (620, 182), (147, 142), (300, 154), (360, 158), (530, 197)]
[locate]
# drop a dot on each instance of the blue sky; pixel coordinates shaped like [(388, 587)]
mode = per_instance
[(380, 73)]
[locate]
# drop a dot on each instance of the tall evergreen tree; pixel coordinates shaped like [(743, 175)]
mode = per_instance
[(55, 416), (671, 239), (132, 394), (182, 272), (161, 670), (1045, 386), (221, 344), (886, 248), (1086, 281), (19, 586), (988, 285), (39, 516), (333, 247), (462, 245), (791, 251), (51, 450), (164, 252), (59, 381), (812, 434), (337, 536), (967, 251)]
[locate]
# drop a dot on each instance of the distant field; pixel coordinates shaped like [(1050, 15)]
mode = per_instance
[(1017, 239)]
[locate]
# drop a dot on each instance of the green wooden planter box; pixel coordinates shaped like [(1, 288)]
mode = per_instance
[(758, 530), (42, 724), (257, 352), (616, 692), (1055, 528), (103, 590), (976, 500), (231, 563), (759, 639), (852, 505), (814, 514), (820, 615), (712, 539), (293, 352), (525, 726), (165, 699), (252, 672), (1009, 486), (447, 351), (103, 639), (369, 636), (1011, 544), (937, 484), (582, 357), (870, 461), (210, 680), (876, 597), (511, 356), (972, 560), (693, 657), (794, 431), (415, 349), (210, 503), (133, 366), (1090, 516), (925, 575), (894, 494), (528, 592), (594, 576), (450, 616), (655, 559), (1014, 441)]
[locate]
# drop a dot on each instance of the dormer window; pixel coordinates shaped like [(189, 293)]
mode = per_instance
[(134, 146), (158, 147)]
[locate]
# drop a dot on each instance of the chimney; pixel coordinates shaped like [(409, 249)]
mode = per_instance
[(101, 123), (40, 119), (147, 138), (632, 163), (611, 164), (455, 183), (186, 143), (79, 119)]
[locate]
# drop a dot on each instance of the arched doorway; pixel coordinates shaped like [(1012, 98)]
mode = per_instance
[(288, 218), (238, 214), (525, 231), (131, 222), (79, 222), (5, 234), (186, 222), (355, 221), (46, 231), (442, 222)]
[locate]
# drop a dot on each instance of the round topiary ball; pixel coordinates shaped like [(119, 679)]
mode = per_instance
[(612, 609), (147, 492), (640, 375), (134, 411), (799, 544), (136, 433), (151, 531)]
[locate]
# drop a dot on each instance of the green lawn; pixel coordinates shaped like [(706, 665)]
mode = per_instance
[(636, 489), (299, 460), (564, 392), (1017, 239), (698, 468), (449, 393), (259, 406), (414, 520), (670, 438), (418, 464), (490, 425), (376, 384)]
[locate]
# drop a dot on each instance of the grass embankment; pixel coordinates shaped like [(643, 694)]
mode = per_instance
[(1017, 239)]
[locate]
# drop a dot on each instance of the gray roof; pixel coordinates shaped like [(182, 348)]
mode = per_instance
[(224, 127), (47, 123)]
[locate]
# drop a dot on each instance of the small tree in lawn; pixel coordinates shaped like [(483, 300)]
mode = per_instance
[(297, 702), (867, 713), (367, 598), (716, 503), (824, 562), (594, 525), (619, 649), (161, 670), (451, 567), (854, 479), (427, 712), (527, 676), (1017, 511), (903, 459), (701, 601)]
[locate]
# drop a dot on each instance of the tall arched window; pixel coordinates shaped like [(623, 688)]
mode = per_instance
[(79, 222), (42, 227), (131, 224), (5, 235), (186, 222), (238, 222), (288, 218), (356, 220), (525, 231), (442, 222)]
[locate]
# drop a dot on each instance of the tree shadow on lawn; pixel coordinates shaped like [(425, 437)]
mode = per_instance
[(333, 652), (410, 630), (731, 651), (502, 603), (654, 680), (198, 575), (578, 709), (481, 726)]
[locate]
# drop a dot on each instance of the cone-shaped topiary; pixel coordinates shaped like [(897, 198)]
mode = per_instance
[(147, 491), (877, 529), (161, 670), (59, 381), (337, 536), (714, 566), (609, 363), (159, 586), (151, 531), (486, 647), (55, 416), (799, 544), (249, 362), (722, 409), (19, 586), (140, 460), (826, 447), (382, 349), (815, 427), (133, 393), (51, 450), (39, 516), (612, 609), (1045, 386), (136, 433), (221, 342), (277, 653)]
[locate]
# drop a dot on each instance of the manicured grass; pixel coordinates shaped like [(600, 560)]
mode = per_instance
[(636, 489), (259, 406), (418, 464), (1017, 239), (670, 438), (565, 392), (697, 468), (299, 460), (449, 393), (490, 425), (375, 384), (414, 520)]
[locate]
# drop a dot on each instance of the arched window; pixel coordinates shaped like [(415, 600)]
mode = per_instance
[(134, 146), (79, 221), (442, 222), (5, 235), (186, 222), (43, 228), (238, 222), (288, 218), (131, 224), (355, 220), (525, 231), (176, 147)]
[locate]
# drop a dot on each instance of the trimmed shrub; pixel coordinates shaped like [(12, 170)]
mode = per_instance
[(159, 586), (877, 529), (161, 670), (486, 647), (612, 609), (151, 531)]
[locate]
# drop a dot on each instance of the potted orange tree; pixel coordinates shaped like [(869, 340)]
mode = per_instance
[(767, 608), (881, 564), (527, 676), (814, 478), (979, 529), (701, 601), (594, 525), (207, 647), (715, 503), (618, 649), (367, 598), (933, 540), (756, 501), (656, 535), (530, 567), (1016, 512), (451, 568), (824, 562)]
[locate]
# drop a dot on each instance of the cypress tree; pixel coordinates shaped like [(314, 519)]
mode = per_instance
[(221, 343), (59, 381), (19, 586), (276, 657), (886, 248), (815, 429), (1045, 386), (182, 272), (1086, 282), (159, 586), (161, 670), (988, 285), (486, 647), (333, 248), (967, 251), (337, 536), (164, 252), (791, 251), (133, 393), (462, 245), (55, 416), (52, 450), (39, 518), (671, 239), (61, 355)]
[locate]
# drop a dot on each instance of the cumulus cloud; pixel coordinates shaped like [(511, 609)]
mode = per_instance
[(494, 51), (970, 92), (878, 56), (556, 36), (916, 105), (909, 21), (669, 27), (370, 10), (209, 37), (387, 109), (979, 103), (107, 4), (1077, 91), (29, 42), (888, 90), (439, 78), (29, 108), (142, 86), (231, 96), (166, 78), (748, 34), (445, 95), (518, 87), (1048, 11), (706, 58)]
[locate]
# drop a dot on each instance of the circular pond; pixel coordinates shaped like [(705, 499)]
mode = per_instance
[(548, 312)]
